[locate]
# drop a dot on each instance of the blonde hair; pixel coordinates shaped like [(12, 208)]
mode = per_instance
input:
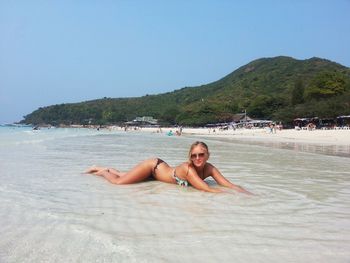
[(203, 144)]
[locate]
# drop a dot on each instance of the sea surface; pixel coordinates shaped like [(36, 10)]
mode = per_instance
[(51, 212)]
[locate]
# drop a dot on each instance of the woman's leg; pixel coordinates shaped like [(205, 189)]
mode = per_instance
[(137, 174)]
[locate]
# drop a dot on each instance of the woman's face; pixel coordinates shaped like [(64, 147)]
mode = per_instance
[(199, 156)]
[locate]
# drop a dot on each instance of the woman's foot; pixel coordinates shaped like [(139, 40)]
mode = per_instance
[(94, 169), (101, 172), (106, 173)]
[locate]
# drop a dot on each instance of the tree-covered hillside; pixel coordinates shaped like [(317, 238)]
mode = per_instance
[(279, 88)]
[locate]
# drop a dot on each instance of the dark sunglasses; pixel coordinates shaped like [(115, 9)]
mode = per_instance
[(197, 155)]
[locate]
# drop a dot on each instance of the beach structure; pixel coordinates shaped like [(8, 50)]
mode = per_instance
[(323, 123), (240, 120), (299, 123), (343, 121), (140, 121)]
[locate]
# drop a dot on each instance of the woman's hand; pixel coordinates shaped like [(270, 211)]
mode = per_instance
[(241, 190)]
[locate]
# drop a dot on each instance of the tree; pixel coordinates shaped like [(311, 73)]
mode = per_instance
[(261, 106), (170, 114), (326, 84), (298, 92)]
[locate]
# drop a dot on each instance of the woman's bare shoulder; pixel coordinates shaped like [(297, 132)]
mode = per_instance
[(210, 169), (210, 166), (184, 165)]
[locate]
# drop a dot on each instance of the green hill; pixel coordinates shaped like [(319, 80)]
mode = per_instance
[(279, 88)]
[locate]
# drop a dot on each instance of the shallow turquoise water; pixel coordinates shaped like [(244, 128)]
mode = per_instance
[(50, 211)]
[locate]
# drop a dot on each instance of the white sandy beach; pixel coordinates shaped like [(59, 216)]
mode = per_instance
[(334, 136)]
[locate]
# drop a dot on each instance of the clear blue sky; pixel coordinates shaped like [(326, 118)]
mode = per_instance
[(65, 51)]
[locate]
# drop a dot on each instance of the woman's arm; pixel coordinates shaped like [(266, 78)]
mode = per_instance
[(221, 180), (192, 177)]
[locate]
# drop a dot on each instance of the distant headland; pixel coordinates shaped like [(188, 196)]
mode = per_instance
[(279, 89)]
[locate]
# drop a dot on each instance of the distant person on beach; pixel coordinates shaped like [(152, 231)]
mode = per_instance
[(192, 172)]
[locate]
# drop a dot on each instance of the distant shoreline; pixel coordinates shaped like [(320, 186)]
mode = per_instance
[(317, 136), (337, 137), (334, 142)]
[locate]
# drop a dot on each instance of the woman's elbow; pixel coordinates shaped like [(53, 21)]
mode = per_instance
[(115, 181)]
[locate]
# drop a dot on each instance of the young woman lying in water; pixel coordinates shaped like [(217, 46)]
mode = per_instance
[(192, 172)]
